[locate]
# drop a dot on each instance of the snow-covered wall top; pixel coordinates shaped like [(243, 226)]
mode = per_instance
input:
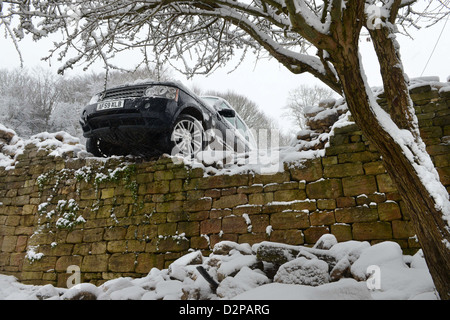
[(121, 217)]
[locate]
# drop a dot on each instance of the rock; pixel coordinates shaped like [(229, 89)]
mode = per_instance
[(82, 291), (303, 271), (46, 292), (325, 242), (6, 135), (224, 248), (276, 253), (182, 267), (341, 270), (246, 279)]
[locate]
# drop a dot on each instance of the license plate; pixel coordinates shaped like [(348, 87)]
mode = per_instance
[(113, 104)]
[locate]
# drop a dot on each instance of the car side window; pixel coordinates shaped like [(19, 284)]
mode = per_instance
[(240, 125), (231, 120)]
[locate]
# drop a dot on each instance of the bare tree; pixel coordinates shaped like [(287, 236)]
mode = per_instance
[(318, 37), (302, 97)]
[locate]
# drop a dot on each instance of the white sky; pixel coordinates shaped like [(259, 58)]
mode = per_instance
[(267, 82)]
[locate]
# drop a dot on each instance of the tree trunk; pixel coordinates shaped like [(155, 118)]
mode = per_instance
[(428, 222)]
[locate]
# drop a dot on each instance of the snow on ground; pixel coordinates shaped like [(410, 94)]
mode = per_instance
[(377, 272)]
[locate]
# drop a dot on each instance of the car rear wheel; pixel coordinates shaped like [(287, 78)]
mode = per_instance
[(187, 137)]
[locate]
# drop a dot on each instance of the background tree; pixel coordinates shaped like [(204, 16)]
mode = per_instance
[(33, 101), (318, 37), (301, 97)]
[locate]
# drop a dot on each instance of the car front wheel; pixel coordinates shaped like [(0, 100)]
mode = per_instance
[(187, 137), (101, 148)]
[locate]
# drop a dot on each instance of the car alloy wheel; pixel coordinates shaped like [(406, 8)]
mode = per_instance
[(187, 136)]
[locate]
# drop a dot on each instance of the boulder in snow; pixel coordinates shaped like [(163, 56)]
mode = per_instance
[(303, 271)]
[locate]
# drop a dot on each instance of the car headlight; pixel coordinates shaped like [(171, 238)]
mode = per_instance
[(162, 92), (95, 98)]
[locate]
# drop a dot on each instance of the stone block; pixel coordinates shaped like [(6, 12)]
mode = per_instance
[(260, 198), (95, 263), (44, 264), (289, 220), (345, 148), (60, 249), (256, 188), (107, 193), (292, 236), (116, 246), (342, 232), (357, 185), (264, 179), (93, 235), (363, 157), (230, 201), (21, 244), (158, 186), (247, 209), (189, 228), (402, 229), (201, 242), (163, 175), (98, 247), (356, 214), (309, 171), (289, 195), (9, 243), (343, 170), (385, 183), (252, 238), (172, 244), (324, 189), (305, 205), (170, 206), (167, 229), (115, 233), (122, 262), (202, 204), (372, 231), (374, 168), (321, 218), (389, 211), (323, 204), (145, 262), (314, 233), (234, 225), (223, 181)]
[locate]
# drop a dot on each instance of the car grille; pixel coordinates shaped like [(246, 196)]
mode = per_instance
[(111, 123), (127, 92)]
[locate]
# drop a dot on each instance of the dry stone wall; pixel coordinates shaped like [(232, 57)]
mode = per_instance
[(118, 217)]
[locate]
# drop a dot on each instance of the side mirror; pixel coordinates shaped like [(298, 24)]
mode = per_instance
[(227, 113)]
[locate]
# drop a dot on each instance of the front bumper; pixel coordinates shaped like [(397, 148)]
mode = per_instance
[(142, 122)]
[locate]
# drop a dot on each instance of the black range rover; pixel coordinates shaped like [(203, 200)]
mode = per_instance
[(152, 118)]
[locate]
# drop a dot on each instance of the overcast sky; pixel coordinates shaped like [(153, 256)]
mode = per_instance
[(267, 82)]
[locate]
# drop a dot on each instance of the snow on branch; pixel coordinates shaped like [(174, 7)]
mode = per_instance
[(203, 35)]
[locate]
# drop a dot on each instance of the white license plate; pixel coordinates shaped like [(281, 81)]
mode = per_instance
[(113, 104)]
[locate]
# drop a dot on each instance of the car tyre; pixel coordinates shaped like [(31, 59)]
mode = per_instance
[(187, 136), (101, 148)]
